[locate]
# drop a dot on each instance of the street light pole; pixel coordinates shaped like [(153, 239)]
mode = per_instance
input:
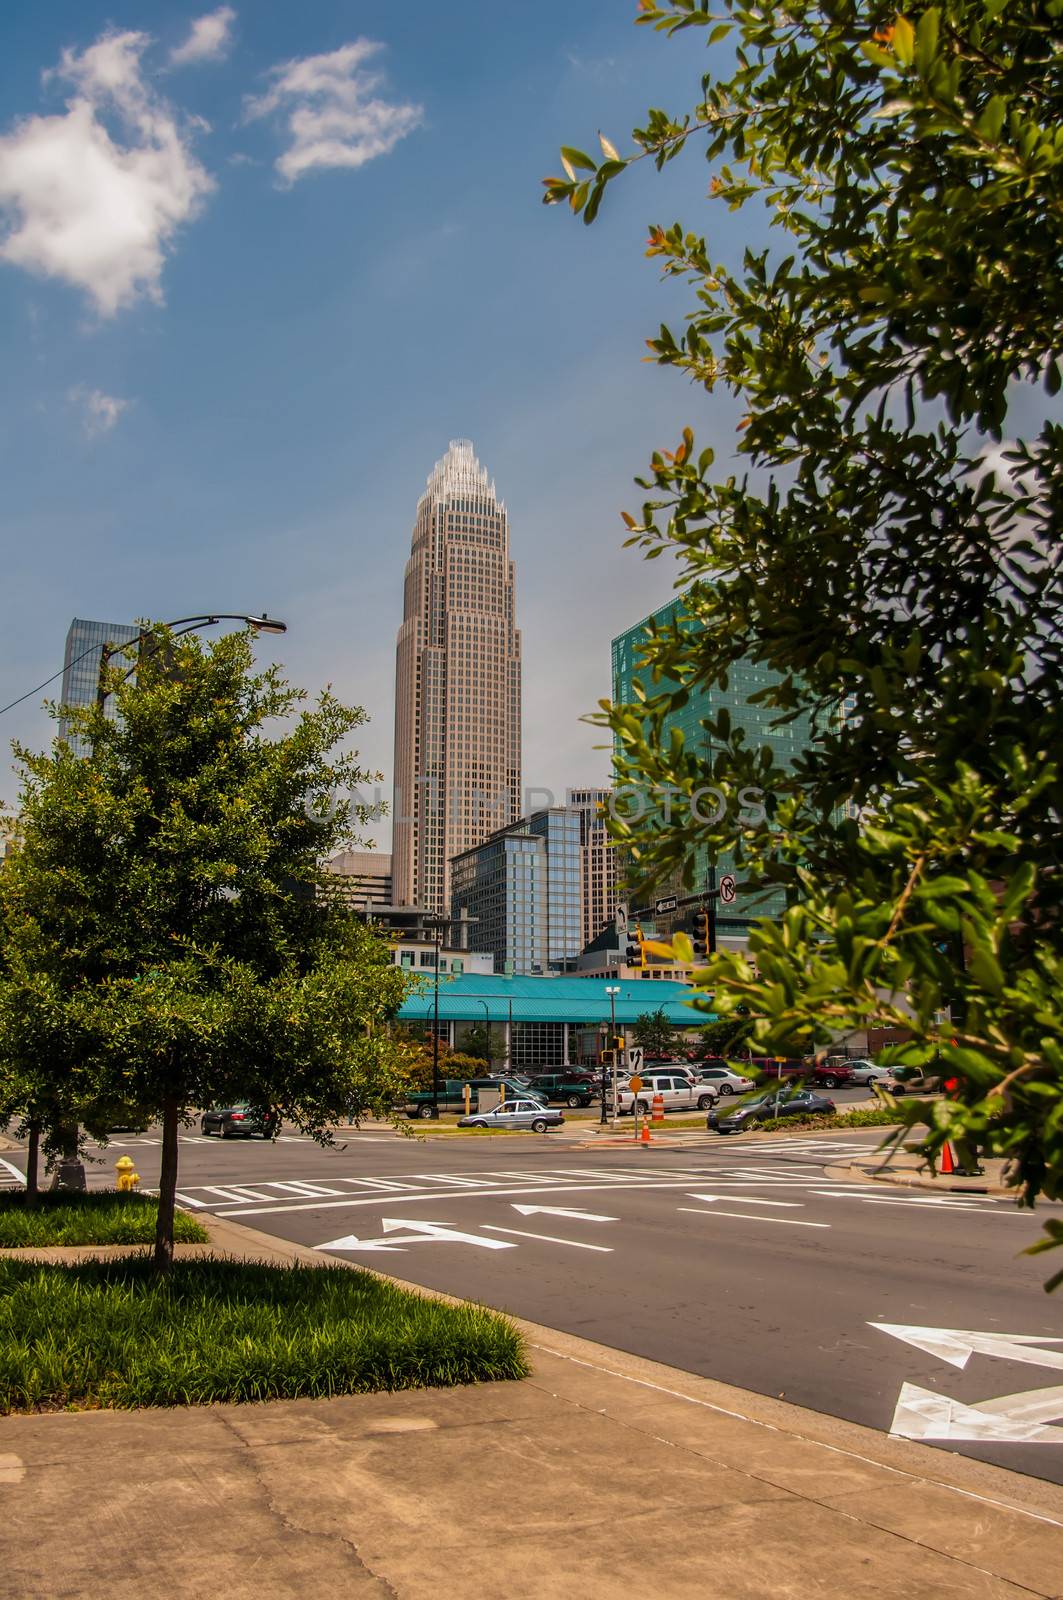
[(437, 925), (487, 1028), (612, 990), (178, 628)]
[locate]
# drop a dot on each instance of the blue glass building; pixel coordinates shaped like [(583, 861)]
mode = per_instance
[(81, 667), (522, 885)]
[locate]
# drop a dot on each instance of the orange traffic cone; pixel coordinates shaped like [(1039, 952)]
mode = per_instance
[(948, 1160), (646, 1139)]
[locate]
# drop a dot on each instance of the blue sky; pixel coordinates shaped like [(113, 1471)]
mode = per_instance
[(248, 295)]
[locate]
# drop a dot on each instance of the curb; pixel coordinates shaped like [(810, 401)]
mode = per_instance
[(916, 1180), (816, 1430)]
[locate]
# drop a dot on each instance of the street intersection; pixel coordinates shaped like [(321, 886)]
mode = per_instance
[(759, 1262)]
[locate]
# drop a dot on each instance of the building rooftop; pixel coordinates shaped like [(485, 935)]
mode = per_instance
[(580, 1001)]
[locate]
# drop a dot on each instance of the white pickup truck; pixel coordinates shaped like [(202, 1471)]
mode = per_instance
[(676, 1092)]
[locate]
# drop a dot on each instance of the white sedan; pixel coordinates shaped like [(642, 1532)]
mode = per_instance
[(726, 1081), (869, 1072)]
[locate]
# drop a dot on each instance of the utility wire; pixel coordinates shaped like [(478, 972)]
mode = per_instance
[(47, 681)]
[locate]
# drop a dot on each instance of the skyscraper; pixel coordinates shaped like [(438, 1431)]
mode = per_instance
[(600, 861), (457, 682), (81, 667)]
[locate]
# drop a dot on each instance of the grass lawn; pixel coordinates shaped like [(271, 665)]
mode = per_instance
[(102, 1216), (110, 1333)]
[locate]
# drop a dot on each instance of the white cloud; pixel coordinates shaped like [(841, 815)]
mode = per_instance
[(94, 196), (332, 115), (99, 411), (208, 40)]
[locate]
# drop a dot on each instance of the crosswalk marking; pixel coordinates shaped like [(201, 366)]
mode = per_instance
[(10, 1176)]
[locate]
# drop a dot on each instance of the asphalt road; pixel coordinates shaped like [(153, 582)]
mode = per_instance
[(737, 1259)]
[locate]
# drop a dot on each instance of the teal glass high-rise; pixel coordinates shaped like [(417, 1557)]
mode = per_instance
[(745, 679)]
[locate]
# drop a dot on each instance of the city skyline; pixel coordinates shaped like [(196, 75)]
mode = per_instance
[(246, 429)]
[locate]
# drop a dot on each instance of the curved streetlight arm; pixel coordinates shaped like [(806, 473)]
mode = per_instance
[(179, 627)]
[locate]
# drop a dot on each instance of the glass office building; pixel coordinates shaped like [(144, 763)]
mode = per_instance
[(560, 827), (522, 885), (746, 678), (81, 667)]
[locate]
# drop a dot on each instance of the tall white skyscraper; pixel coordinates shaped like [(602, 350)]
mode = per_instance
[(457, 682)]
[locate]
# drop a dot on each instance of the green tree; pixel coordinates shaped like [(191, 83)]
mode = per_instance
[(724, 1037), (653, 1031), (488, 1044), (167, 908), (890, 550)]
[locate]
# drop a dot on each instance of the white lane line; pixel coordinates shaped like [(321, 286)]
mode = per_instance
[(908, 1204), (743, 1216), (751, 1200), (945, 1201), (183, 1199), (549, 1238), (230, 1194), (13, 1170)]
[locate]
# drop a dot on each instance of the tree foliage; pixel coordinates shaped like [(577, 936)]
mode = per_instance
[(169, 941), (889, 549), (653, 1031)]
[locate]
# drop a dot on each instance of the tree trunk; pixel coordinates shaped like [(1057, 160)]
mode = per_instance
[(167, 1186), (33, 1158)]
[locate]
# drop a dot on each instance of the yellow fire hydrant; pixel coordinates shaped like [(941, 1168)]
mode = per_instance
[(128, 1177)]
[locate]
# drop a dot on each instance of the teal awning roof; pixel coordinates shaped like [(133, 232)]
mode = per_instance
[(582, 1002)]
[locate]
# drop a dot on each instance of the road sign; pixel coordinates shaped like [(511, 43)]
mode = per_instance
[(635, 1057), (728, 890), (634, 1084), (669, 903)]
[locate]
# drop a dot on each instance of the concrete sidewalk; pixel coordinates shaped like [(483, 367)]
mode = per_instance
[(601, 1475)]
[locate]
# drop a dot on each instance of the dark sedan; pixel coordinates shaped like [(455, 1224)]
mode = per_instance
[(766, 1108), (240, 1121)]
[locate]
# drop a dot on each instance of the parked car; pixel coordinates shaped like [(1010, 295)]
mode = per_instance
[(744, 1118), (574, 1088), (775, 1067), (870, 1072), (912, 1080), (518, 1113), (452, 1094), (674, 1069), (726, 1081), (677, 1093), (240, 1121)]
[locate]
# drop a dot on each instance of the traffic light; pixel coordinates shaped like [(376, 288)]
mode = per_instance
[(701, 933), (618, 1042), (633, 952)]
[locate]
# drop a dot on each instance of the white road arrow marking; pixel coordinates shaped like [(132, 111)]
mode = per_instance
[(957, 1346), (561, 1211), (441, 1231), (351, 1241), (415, 1233), (1012, 1419), (747, 1200)]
